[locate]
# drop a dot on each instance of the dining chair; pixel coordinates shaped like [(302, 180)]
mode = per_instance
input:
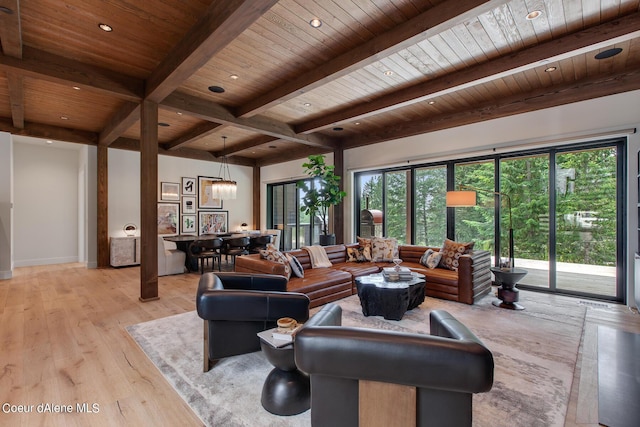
[(205, 249), (257, 243), (235, 246)]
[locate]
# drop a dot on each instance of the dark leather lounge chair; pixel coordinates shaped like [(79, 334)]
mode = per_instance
[(236, 306), (356, 373)]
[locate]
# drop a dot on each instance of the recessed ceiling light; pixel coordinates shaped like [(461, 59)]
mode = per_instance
[(64, 118), (76, 87), (234, 77), (533, 15), (216, 89), (432, 102), (105, 27), (49, 141), (388, 73), (550, 69), (179, 113), (608, 53), (307, 104), (315, 23), (163, 124), (357, 123), (6, 10), (338, 129)]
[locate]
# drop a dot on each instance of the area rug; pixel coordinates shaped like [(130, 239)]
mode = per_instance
[(535, 354)]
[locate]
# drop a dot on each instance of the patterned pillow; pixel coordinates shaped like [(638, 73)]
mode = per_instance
[(273, 254), (296, 267), (384, 249), (359, 254), (364, 242), (430, 258), (451, 252)]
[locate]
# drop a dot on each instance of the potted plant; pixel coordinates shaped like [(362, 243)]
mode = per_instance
[(325, 193)]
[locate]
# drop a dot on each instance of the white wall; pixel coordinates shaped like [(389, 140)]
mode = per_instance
[(588, 120), (124, 187), (45, 220)]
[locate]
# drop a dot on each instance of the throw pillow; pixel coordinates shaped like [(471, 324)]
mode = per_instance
[(364, 242), (451, 252), (296, 267), (358, 254), (273, 254), (430, 258), (384, 249)]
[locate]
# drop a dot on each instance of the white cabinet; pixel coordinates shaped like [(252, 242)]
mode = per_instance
[(125, 251)]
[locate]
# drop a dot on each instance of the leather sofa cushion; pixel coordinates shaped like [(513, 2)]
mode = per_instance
[(319, 278), (434, 275), (358, 269)]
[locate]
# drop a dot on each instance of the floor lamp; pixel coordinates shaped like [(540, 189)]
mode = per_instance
[(466, 196)]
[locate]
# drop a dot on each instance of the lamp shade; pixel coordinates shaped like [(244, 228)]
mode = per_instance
[(461, 198)]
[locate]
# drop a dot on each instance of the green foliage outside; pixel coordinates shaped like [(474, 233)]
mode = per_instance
[(585, 205), (325, 192)]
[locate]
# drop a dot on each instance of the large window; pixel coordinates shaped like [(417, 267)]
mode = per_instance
[(284, 214), (567, 207)]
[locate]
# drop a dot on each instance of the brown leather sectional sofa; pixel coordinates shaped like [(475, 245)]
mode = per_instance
[(322, 285)]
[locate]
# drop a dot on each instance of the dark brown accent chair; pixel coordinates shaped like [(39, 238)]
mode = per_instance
[(236, 306)]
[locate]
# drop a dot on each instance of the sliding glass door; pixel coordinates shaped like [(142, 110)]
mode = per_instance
[(587, 207), (567, 206)]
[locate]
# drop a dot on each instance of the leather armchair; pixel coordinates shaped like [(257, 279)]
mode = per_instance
[(436, 373), (236, 306)]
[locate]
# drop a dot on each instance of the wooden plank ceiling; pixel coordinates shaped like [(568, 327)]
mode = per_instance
[(372, 71)]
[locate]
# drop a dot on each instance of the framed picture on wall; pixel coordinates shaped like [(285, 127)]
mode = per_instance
[(205, 201), (213, 222), (188, 205), (188, 224), (168, 214), (188, 186), (170, 191)]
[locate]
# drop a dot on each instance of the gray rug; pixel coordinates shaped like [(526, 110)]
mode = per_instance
[(535, 353)]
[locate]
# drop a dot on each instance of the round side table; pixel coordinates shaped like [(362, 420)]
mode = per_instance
[(287, 390), (507, 292)]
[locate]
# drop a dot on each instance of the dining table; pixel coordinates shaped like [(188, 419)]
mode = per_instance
[(183, 241)]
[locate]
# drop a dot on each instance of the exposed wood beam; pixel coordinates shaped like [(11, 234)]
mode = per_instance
[(221, 24), (300, 153), (38, 130), (102, 226), (257, 187), (148, 201), (207, 110), (545, 97), (198, 132), (11, 41), (183, 152), (16, 97), (46, 66), (591, 39), (246, 145), (10, 31), (423, 26), (123, 119)]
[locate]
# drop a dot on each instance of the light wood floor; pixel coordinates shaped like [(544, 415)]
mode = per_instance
[(63, 342)]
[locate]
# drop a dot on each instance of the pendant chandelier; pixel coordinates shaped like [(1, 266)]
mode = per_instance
[(225, 189)]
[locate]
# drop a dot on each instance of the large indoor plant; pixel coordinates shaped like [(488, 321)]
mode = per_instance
[(318, 198)]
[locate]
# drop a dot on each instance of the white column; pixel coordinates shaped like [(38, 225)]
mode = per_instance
[(6, 205)]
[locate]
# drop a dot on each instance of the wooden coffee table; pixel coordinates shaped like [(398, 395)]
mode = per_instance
[(391, 300)]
